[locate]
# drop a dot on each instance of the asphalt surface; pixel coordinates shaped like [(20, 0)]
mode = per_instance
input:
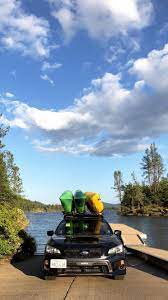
[(24, 281)]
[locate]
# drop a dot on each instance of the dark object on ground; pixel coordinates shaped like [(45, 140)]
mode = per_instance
[(27, 247), (84, 244)]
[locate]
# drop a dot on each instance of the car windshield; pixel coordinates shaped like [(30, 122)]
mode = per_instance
[(83, 227)]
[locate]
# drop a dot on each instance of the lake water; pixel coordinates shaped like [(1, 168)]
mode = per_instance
[(156, 228)]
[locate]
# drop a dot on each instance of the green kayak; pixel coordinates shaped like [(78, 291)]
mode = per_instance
[(79, 200), (67, 201)]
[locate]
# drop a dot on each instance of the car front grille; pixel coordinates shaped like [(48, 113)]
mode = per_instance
[(83, 253), (84, 270)]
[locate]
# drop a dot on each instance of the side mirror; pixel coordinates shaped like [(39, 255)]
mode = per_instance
[(50, 232), (118, 233)]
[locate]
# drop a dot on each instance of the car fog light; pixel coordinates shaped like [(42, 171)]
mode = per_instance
[(120, 264)]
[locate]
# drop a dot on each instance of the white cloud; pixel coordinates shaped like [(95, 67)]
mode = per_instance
[(49, 66), (129, 64), (164, 30), (9, 95), (121, 48), (139, 85), (22, 31), (108, 119), (47, 78), (67, 20), (16, 122), (153, 69), (113, 53), (101, 19), (13, 74)]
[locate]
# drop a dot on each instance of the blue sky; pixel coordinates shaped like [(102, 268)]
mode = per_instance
[(83, 86)]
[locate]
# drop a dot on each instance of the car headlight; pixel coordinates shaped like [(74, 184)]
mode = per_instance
[(52, 250), (116, 250)]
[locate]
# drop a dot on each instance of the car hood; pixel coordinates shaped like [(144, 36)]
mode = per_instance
[(63, 242)]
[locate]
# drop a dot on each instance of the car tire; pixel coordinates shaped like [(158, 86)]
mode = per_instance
[(48, 276), (119, 277)]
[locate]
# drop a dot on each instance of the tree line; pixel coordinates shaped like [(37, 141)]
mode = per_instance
[(11, 186), (150, 196), (15, 242)]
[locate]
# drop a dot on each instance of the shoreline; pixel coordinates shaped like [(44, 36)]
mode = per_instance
[(154, 214), (146, 211)]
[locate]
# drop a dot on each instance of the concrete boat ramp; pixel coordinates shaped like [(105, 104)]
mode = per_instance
[(144, 279)]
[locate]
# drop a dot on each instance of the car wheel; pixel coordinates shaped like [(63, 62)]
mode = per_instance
[(119, 277), (48, 276)]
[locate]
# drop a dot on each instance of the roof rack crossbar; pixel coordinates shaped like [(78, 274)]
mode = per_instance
[(84, 215)]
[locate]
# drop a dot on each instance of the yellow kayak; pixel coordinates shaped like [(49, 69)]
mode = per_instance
[(94, 203)]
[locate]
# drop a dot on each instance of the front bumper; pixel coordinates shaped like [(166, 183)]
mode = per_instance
[(109, 265)]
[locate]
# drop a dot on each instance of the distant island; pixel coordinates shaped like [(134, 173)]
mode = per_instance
[(36, 206), (149, 197)]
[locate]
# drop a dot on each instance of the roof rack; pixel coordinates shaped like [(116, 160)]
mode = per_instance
[(84, 215)]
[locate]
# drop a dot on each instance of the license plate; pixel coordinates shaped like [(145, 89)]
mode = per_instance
[(58, 263)]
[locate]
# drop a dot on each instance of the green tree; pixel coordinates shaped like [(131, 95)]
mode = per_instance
[(4, 182), (133, 197), (134, 179), (13, 173), (162, 193), (152, 166), (3, 132), (118, 184), (146, 166)]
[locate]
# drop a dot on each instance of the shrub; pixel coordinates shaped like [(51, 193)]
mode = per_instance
[(12, 235), (27, 247)]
